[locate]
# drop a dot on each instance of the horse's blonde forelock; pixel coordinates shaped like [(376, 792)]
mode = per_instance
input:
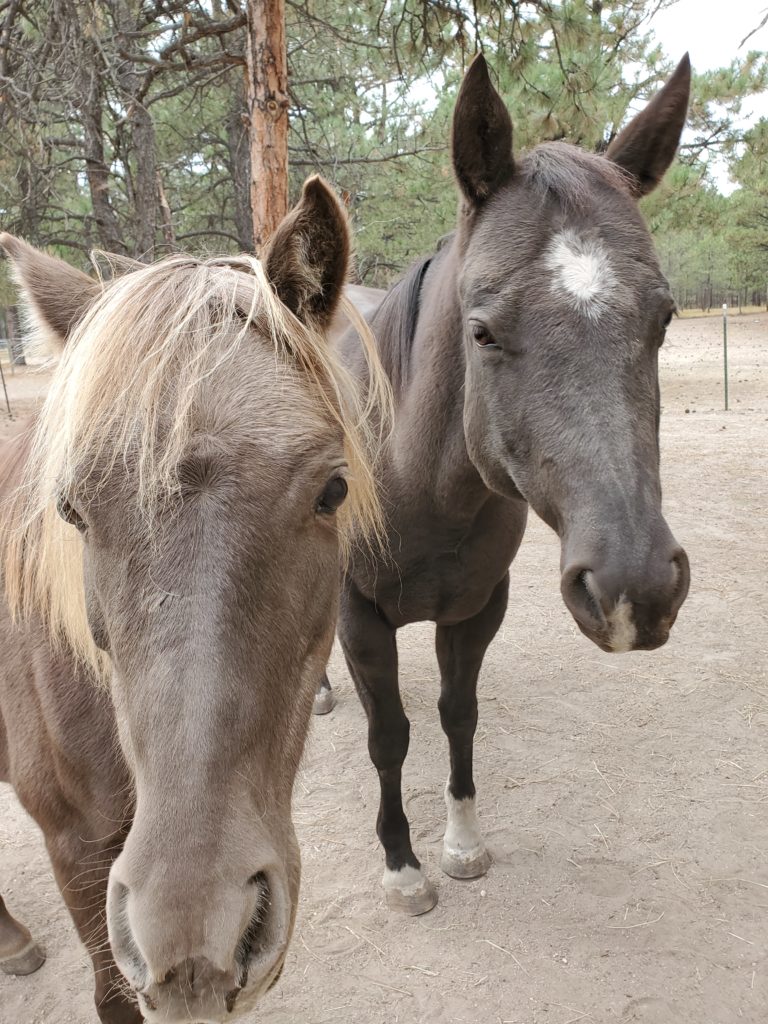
[(134, 367)]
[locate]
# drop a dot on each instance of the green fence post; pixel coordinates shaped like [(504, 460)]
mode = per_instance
[(5, 392), (725, 353)]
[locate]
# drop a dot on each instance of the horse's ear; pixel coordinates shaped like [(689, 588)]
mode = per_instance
[(57, 295), (481, 140), (307, 259), (647, 146)]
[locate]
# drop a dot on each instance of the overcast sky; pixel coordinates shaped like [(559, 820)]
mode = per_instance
[(711, 31)]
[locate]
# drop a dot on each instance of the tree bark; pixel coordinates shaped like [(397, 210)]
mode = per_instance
[(85, 75), (239, 167), (266, 88), (142, 179), (91, 102), (169, 235)]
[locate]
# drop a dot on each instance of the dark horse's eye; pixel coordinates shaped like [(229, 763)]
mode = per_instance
[(333, 496), (667, 320), (69, 513), (482, 336)]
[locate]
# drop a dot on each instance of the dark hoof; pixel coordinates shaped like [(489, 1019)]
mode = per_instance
[(29, 959), (325, 701)]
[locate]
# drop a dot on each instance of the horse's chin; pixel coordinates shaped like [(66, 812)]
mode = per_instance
[(610, 644)]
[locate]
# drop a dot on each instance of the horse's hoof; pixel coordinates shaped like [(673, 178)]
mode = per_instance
[(325, 701), (409, 891), (465, 864), (28, 960)]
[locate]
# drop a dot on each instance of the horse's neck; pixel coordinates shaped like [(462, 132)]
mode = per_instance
[(429, 423)]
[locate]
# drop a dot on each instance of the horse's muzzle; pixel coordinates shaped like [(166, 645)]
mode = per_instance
[(627, 611), (207, 970)]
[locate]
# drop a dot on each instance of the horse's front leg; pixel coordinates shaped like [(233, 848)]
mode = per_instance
[(19, 953), (460, 652), (81, 871), (370, 648)]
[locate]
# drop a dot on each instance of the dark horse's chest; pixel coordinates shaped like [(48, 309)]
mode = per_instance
[(441, 569)]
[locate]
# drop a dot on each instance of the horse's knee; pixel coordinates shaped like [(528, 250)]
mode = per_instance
[(388, 742), (458, 715)]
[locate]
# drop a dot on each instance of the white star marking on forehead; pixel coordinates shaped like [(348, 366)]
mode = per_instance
[(581, 268)]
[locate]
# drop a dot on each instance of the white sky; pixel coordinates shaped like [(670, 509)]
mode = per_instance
[(711, 31)]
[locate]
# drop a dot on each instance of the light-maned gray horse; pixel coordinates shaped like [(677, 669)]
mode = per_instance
[(172, 534)]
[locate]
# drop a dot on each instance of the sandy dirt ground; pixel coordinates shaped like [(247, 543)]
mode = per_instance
[(625, 798)]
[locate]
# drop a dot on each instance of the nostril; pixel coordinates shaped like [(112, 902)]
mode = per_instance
[(584, 583), (256, 936), (582, 596), (681, 579), (127, 953)]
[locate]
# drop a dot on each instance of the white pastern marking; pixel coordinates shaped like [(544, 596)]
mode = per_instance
[(407, 879), (623, 632), (582, 269), (463, 837)]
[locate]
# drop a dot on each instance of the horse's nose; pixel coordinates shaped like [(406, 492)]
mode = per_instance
[(624, 610), (190, 953)]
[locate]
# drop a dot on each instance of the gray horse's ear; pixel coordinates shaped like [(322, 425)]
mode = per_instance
[(307, 258), (481, 140), (57, 296), (647, 146)]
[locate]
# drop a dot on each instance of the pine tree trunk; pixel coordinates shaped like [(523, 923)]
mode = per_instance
[(91, 108), (169, 235), (141, 144), (239, 166), (266, 88)]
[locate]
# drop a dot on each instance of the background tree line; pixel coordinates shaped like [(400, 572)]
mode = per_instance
[(124, 124)]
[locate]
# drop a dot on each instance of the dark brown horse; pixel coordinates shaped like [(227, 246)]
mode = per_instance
[(171, 560), (523, 357)]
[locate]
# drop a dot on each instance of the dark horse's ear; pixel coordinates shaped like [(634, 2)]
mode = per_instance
[(647, 146), (307, 259), (481, 139), (57, 295)]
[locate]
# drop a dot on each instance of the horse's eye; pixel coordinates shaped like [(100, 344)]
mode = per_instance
[(483, 337), (667, 319), (333, 496), (69, 513)]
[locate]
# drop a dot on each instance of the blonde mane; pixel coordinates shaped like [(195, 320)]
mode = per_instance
[(133, 368)]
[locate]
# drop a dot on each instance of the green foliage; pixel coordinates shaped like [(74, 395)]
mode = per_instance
[(372, 85), (7, 288), (378, 125)]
